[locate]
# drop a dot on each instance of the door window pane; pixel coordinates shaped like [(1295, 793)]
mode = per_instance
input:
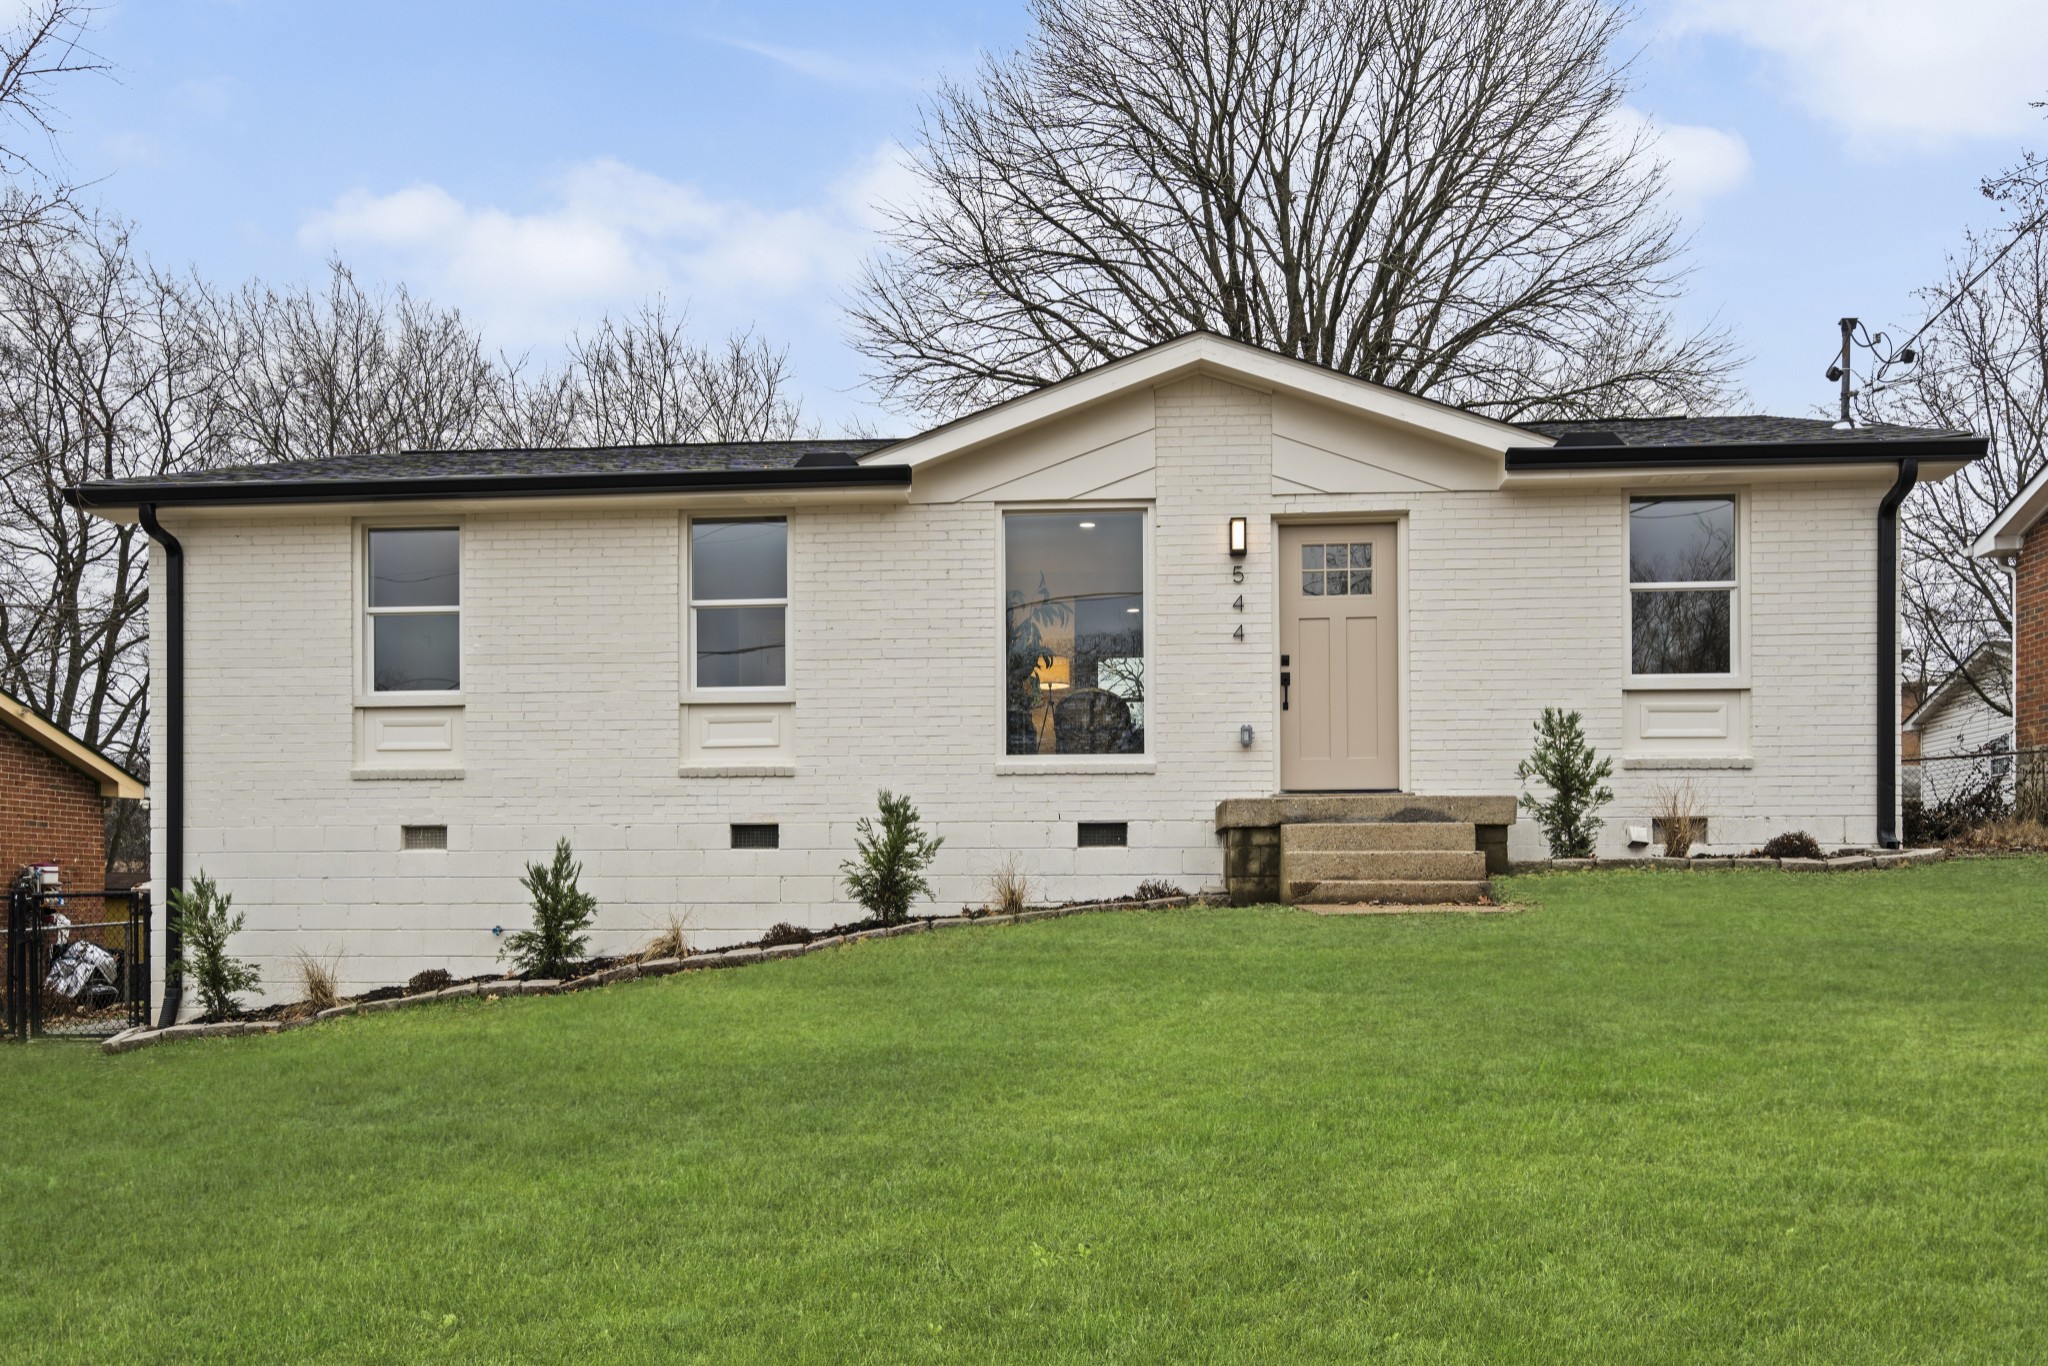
[(416, 652), (740, 647), (1074, 632), (415, 567), (731, 560), (1336, 570), (1681, 540)]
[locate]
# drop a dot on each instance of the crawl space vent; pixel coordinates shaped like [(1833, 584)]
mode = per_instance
[(423, 837), (757, 837), (1105, 834)]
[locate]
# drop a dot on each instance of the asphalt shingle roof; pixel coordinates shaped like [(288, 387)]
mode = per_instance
[(705, 457), (1721, 431)]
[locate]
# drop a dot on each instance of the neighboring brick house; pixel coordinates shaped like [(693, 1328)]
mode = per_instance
[(1114, 629), (54, 790), (2018, 538)]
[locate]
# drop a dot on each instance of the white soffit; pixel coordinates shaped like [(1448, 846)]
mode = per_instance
[(1204, 353)]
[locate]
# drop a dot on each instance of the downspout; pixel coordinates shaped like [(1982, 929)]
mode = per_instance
[(1888, 653), (173, 771)]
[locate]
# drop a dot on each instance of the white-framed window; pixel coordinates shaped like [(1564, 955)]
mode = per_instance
[(1074, 610), (739, 603), (412, 609), (1683, 583)]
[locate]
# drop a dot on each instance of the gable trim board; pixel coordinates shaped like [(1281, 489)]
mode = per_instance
[(1506, 586), (114, 781)]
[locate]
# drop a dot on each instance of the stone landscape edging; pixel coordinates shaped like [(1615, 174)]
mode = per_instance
[(1707, 863), (128, 1040)]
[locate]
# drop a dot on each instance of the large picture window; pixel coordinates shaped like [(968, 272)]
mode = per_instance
[(1682, 585), (414, 606), (739, 602), (1074, 632)]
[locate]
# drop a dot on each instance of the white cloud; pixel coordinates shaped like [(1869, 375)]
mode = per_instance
[(1700, 163), (606, 236), (1916, 71)]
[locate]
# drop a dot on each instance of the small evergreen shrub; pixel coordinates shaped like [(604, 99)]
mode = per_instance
[(887, 872), (1157, 891), (1576, 776), (782, 932), (561, 912), (432, 979), (1792, 844), (205, 926)]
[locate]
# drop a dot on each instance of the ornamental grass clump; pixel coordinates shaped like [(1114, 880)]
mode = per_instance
[(204, 927), (561, 912), (1576, 776), (887, 872)]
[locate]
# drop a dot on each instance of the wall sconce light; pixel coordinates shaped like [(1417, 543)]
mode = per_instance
[(1240, 537), (1244, 736)]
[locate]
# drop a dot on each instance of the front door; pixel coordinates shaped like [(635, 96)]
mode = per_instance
[(1339, 719)]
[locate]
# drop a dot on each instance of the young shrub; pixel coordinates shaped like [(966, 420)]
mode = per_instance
[(205, 926), (1792, 844), (782, 932), (1157, 891), (1576, 777), (671, 940), (561, 912), (887, 873), (1678, 816), (1009, 888), (316, 982)]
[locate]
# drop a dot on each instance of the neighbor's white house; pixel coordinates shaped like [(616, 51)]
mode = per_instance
[(1204, 614)]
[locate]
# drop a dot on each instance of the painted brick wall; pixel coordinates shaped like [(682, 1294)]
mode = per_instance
[(573, 650), (49, 813), (2030, 640)]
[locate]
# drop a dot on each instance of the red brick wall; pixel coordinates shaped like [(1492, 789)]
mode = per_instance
[(2030, 633), (49, 813)]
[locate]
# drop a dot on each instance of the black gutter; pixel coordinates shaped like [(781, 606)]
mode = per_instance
[(170, 778), (367, 489), (1888, 653), (1578, 459)]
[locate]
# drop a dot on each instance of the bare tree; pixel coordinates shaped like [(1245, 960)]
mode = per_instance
[(1983, 368), (100, 378), (44, 44), (644, 380), (1436, 194), (346, 371)]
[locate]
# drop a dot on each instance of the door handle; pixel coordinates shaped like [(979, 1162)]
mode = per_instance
[(1285, 679)]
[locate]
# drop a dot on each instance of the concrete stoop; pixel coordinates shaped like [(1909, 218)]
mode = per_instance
[(1391, 847), (1410, 862)]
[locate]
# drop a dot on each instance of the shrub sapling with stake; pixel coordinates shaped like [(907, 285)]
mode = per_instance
[(205, 926), (561, 912), (887, 873), (1576, 777)]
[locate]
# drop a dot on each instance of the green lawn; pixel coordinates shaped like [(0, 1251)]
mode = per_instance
[(1658, 1117)]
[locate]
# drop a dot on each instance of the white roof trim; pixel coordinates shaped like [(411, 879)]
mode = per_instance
[(1938, 697), (1206, 353), (2008, 530)]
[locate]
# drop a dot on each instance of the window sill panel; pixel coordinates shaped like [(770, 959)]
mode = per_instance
[(1069, 765)]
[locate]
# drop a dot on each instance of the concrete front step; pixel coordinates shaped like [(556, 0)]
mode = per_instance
[(1381, 865), (1379, 835), (1364, 806), (1407, 893)]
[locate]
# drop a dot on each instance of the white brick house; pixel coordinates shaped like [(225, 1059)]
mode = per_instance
[(1027, 620)]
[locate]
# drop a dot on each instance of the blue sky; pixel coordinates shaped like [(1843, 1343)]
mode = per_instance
[(538, 164)]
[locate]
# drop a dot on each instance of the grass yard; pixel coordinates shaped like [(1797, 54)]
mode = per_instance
[(1659, 1117)]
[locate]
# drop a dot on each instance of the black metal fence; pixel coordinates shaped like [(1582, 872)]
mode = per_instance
[(76, 963), (1945, 795)]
